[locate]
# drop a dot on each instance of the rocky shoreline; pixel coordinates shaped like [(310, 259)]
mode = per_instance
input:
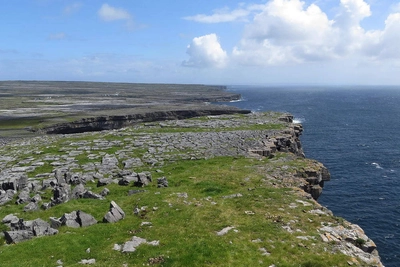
[(260, 135)]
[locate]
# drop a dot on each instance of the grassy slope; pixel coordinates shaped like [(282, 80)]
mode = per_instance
[(186, 227)]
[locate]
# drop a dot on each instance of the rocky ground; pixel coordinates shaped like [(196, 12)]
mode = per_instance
[(32, 105), (64, 164)]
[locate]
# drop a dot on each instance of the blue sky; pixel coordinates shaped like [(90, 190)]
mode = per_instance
[(330, 42)]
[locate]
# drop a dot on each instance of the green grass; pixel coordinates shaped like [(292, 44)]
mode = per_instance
[(186, 228)]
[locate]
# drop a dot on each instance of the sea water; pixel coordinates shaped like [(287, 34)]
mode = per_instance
[(355, 133)]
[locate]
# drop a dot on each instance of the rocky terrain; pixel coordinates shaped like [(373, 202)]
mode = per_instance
[(67, 168), (29, 106)]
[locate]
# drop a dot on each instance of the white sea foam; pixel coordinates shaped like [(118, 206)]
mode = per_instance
[(298, 120), (376, 165), (238, 100)]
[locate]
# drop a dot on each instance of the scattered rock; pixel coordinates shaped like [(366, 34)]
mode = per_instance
[(233, 196), (162, 182), (115, 214), (225, 230), (32, 206), (88, 262), (104, 192), (131, 245)]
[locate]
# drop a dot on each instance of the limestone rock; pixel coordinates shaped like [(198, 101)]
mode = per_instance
[(70, 220), (115, 214), (78, 191), (74, 219), (131, 245), (162, 182), (42, 228), (32, 206), (85, 219), (17, 236)]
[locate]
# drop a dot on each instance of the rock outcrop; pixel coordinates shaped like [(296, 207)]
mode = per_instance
[(117, 122)]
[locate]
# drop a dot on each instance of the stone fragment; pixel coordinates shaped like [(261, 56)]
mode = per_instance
[(70, 220), (17, 236), (131, 246), (90, 194), (9, 218), (144, 178), (126, 180), (104, 181), (132, 163), (42, 228), (23, 197), (114, 214), (55, 222), (32, 206), (36, 198), (85, 219), (73, 178), (117, 247), (225, 230), (88, 262), (6, 196), (104, 192), (162, 182), (233, 196), (61, 194), (78, 191)]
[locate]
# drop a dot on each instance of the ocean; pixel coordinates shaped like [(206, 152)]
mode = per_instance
[(355, 133)]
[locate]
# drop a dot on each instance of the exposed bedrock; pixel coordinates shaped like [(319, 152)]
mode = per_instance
[(116, 122)]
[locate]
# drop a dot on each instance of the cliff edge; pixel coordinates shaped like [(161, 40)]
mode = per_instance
[(218, 189)]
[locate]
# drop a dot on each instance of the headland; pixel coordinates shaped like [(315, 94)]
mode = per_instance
[(135, 177)]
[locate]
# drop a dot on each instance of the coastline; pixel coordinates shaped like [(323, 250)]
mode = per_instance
[(227, 133), (342, 238)]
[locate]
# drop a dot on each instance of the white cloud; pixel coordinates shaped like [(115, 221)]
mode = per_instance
[(109, 13), (226, 15), (384, 44), (72, 8), (57, 36), (205, 51), (221, 15), (287, 31)]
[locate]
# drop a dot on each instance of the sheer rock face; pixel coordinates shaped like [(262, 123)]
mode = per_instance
[(116, 122)]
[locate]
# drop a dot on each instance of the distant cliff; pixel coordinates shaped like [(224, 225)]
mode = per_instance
[(116, 122)]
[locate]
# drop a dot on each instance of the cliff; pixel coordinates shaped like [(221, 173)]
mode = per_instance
[(116, 122), (213, 190)]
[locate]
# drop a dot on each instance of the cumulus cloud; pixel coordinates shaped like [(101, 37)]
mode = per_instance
[(205, 51), (109, 13), (287, 31), (384, 44), (282, 32)]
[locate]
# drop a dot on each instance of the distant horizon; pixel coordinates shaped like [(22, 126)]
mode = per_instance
[(226, 85)]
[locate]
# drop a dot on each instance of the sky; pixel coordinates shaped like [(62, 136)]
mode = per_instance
[(322, 42)]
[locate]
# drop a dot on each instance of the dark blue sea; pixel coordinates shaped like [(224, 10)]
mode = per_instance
[(355, 132)]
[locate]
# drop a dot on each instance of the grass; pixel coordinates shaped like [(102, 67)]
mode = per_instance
[(221, 192), (186, 227)]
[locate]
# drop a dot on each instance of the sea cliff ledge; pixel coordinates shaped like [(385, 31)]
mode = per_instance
[(240, 173)]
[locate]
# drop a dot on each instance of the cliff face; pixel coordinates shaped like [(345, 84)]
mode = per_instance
[(116, 122)]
